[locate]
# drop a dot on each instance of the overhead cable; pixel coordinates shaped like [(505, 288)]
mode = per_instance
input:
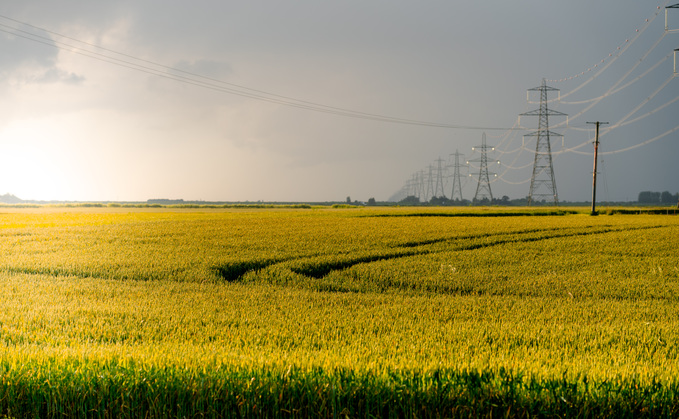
[(659, 108), (615, 54), (614, 86), (632, 147), (172, 73), (633, 111), (624, 86)]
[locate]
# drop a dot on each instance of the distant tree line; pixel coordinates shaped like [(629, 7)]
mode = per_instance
[(444, 201), (648, 197), (645, 197)]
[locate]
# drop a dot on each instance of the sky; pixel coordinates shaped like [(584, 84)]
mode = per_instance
[(319, 101)]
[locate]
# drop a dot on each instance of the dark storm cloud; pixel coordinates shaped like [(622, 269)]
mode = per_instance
[(465, 63)]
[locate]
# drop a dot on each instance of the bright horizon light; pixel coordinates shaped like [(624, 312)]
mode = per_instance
[(34, 160)]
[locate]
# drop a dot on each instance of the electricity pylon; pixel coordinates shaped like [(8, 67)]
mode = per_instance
[(542, 183), (483, 186), (439, 179), (421, 187), (430, 184), (411, 186), (457, 182)]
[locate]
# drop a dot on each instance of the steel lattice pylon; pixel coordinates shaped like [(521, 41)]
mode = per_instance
[(457, 182), (483, 186), (542, 183), (421, 186), (429, 194), (439, 180)]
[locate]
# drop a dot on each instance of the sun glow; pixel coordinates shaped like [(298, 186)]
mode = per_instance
[(34, 164)]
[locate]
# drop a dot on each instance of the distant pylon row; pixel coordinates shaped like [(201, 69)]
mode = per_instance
[(435, 180), (427, 185)]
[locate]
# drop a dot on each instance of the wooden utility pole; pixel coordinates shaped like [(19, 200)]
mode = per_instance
[(596, 152)]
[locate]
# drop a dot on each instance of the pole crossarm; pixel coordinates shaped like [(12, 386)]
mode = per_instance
[(544, 132), (667, 24), (543, 88), (537, 112)]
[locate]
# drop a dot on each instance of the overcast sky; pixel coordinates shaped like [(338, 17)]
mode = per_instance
[(74, 126)]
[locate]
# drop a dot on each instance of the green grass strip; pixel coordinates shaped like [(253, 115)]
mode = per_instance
[(80, 388)]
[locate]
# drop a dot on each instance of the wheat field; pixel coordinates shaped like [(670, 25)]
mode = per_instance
[(288, 312)]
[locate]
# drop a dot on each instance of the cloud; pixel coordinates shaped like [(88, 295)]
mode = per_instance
[(20, 53), (460, 63), (27, 61), (56, 75)]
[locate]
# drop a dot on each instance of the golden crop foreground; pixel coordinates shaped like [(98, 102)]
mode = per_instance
[(216, 309)]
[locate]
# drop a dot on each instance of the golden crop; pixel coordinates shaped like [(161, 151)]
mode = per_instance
[(221, 307)]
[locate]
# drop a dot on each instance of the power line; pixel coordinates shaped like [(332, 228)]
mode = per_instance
[(619, 89), (160, 70), (644, 102), (523, 182), (615, 85), (615, 54), (624, 121)]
